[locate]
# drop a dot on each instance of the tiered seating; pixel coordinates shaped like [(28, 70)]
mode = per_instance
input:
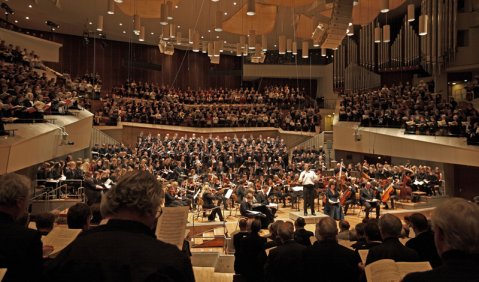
[(275, 107)]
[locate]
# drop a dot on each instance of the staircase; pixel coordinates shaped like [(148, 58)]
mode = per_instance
[(99, 137)]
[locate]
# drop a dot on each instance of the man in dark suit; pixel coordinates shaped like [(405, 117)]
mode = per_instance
[(423, 242), (390, 228), (253, 255), (368, 200), (326, 260), (106, 253), (284, 261), (20, 248), (243, 232), (302, 235), (456, 234)]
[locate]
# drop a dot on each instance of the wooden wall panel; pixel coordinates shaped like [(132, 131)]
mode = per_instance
[(111, 60), (466, 181)]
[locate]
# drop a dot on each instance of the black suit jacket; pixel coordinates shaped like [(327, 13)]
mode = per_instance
[(456, 266), (303, 236), (284, 262), (20, 251), (424, 245), (252, 258), (236, 242), (391, 248), (329, 261), (121, 250)]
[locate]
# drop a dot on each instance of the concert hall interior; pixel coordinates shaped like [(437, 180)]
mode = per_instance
[(245, 140)]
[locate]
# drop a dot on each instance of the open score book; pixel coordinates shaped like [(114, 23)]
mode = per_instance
[(387, 270)]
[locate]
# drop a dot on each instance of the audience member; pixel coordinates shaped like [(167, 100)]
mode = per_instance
[(243, 231), (252, 254), (326, 260), (20, 248), (79, 216), (284, 262), (301, 235), (126, 247), (423, 242), (390, 228), (456, 235), (344, 233), (45, 222)]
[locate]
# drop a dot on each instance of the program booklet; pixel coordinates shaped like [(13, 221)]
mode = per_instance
[(387, 270)]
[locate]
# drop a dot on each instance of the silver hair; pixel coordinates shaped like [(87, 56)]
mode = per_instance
[(136, 191), (458, 220), (12, 188)]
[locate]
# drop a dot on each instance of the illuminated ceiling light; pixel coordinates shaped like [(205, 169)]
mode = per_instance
[(196, 42), (204, 46), (422, 25), (386, 33), (305, 49), (119, 1), (216, 47), (221, 45), (111, 7), (242, 41), (355, 2), (172, 30), (385, 6), (264, 43), (30, 6), (350, 31), (239, 52), (215, 0), (166, 33), (142, 34), (27, 17), (191, 33), (410, 13), (178, 38), (219, 21), (316, 43), (163, 19), (282, 45), (295, 48), (252, 39), (251, 8), (211, 49), (99, 23), (136, 24), (323, 52), (289, 45), (377, 34), (169, 10)]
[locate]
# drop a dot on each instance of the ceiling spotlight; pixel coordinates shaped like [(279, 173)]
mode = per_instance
[(111, 7), (52, 24), (119, 1), (385, 6), (7, 9)]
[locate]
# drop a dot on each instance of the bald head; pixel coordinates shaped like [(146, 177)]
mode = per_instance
[(326, 229)]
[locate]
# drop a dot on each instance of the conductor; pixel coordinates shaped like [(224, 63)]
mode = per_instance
[(307, 178)]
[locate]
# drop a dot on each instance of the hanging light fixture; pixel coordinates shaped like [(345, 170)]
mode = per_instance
[(221, 45), (282, 45), (422, 25), (196, 42), (242, 41), (136, 24), (295, 48), (315, 43), (99, 23), (323, 52), (215, 0), (119, 1), (355, 2), (386, 33), (216, 47), (190, 35), (142, 34), (163, 19), (251, 8), (172, 30), (305, 49), (211, 49), (166, 32), (204, 47), (169, 10), (385, 6), (377, 34), (111, 7), (350, 30), (257, 51), (178, 38), (264, 43), (252, 39), (245, 50), (410, 13), (219, 21), (289, 45)]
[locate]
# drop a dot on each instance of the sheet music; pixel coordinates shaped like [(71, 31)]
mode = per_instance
[(59, 238), (107, 183), (297, 188), (228, 194), (171, 225)]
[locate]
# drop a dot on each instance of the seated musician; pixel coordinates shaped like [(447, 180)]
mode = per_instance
[(172, 199), (251, 210), (262, 199), (368, 200), (395, 185), (208, 203), (349, 197), (332, 201)]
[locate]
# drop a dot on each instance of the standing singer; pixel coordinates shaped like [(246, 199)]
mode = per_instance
[(307, 178)]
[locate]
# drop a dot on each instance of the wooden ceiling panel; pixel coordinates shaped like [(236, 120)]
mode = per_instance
[(289, 3), (367, 10), (262, 23), (145, 8)]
